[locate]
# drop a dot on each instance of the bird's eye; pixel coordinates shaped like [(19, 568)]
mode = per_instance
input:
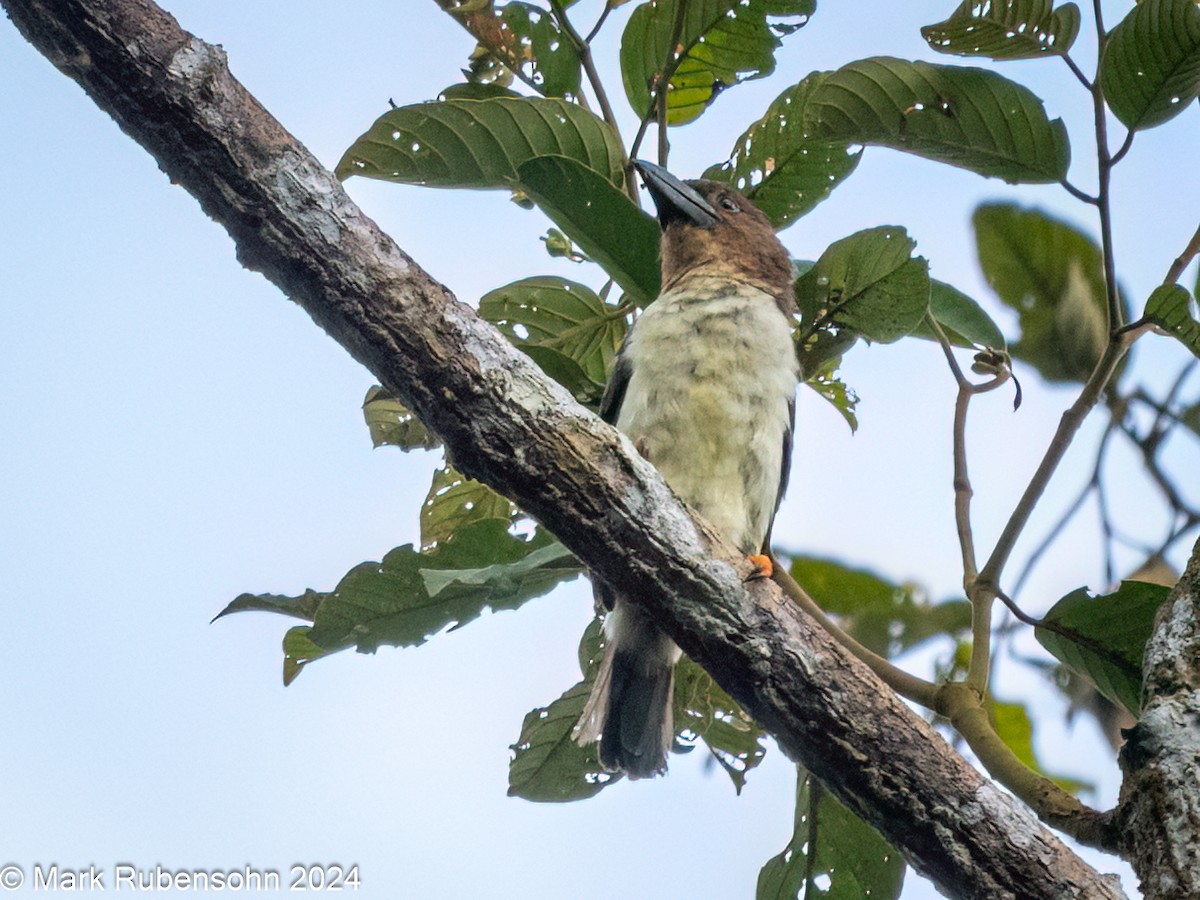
[(729, 204)]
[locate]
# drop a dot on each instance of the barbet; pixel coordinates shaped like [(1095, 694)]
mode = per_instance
[(704, 386)]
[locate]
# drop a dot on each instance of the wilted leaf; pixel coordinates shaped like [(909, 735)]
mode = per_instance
[(966, 117), (869, 283), (553, 312), (703, 709), (392, 423), (1053, 276), (779, 166), (888, 618), (849, 860), (1169, 307), (1006, 29), (1151, 67), (455, 501), (480, 143), (722, 43), (1112, 633), (600, 218), (962, 319)]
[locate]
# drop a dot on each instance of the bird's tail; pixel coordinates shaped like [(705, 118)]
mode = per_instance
[(629, 709)]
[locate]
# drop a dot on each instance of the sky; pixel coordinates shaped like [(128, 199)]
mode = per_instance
[(175, 432)]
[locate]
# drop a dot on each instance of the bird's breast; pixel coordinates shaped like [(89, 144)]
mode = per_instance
[(713, 370)]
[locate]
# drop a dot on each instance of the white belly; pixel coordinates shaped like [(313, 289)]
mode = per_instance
[(713, 372)]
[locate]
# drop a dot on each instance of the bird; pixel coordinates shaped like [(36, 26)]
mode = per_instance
[(704, 385)]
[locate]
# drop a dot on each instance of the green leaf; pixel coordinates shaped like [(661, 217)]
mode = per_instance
[(835, 391), (966, 117), (869, 283), (1006, 29), (1013, 725), (480, 143), (1170, 307), (833, 854), (548, 311), (600, 218), (1053, 276), (548, 56), (391, 423), (547, 765), (1150, 71), (782, 168), (298, 652), (302, 607), (721, 42), (470, 91), (886, 617), (702, 710), (412, 594), (1111, 633), (962, 319), (455, 501)]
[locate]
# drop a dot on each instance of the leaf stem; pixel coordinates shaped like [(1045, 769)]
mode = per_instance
[(591, 35), (1190, 252), (1105, 162), (583, 48), (1083, 79), (663, 82), (1078, 194), (909, 686), (964, 707)]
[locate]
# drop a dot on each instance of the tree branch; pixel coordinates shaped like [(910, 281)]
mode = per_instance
[(1160, 802), (512, 427)]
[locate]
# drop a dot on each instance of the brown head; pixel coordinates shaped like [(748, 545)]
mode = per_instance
[(709, 227)]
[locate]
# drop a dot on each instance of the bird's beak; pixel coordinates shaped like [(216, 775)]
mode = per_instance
[(675, 200)]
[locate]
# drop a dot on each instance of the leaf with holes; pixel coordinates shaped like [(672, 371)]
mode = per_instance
[(779, 166), (962, 319), (481, 143), (1110, 637), (455, 501), (1006, 29), (841, 397), (548, 313), (702, 710), (393, 424), (1170, 307), (414, 594), (720, 43), (1151, 67), (1052, 275), (832, 853), (546, 56), (600, 218), (966, 117), (869, 283)]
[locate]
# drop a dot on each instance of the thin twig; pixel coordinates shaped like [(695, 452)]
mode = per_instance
[(1124, 148), (1083, 79), (662, 82), (591, 35), (1105, 162), (913, 688), (1077, 193), (1190, 252)]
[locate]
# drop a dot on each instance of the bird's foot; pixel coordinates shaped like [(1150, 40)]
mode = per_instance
[(763, 567)]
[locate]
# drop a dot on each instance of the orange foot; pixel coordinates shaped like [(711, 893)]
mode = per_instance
[(763, 567)]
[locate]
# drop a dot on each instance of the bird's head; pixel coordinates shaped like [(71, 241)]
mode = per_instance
[(709, 228)]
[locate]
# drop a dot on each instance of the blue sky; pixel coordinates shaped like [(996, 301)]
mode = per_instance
[(176, 432)]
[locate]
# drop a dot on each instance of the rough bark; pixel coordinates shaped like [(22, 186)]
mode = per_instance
[(510, 426), (1160, 796)]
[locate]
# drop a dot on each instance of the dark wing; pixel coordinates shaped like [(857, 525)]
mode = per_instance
[(618, 381), (786, 469)]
